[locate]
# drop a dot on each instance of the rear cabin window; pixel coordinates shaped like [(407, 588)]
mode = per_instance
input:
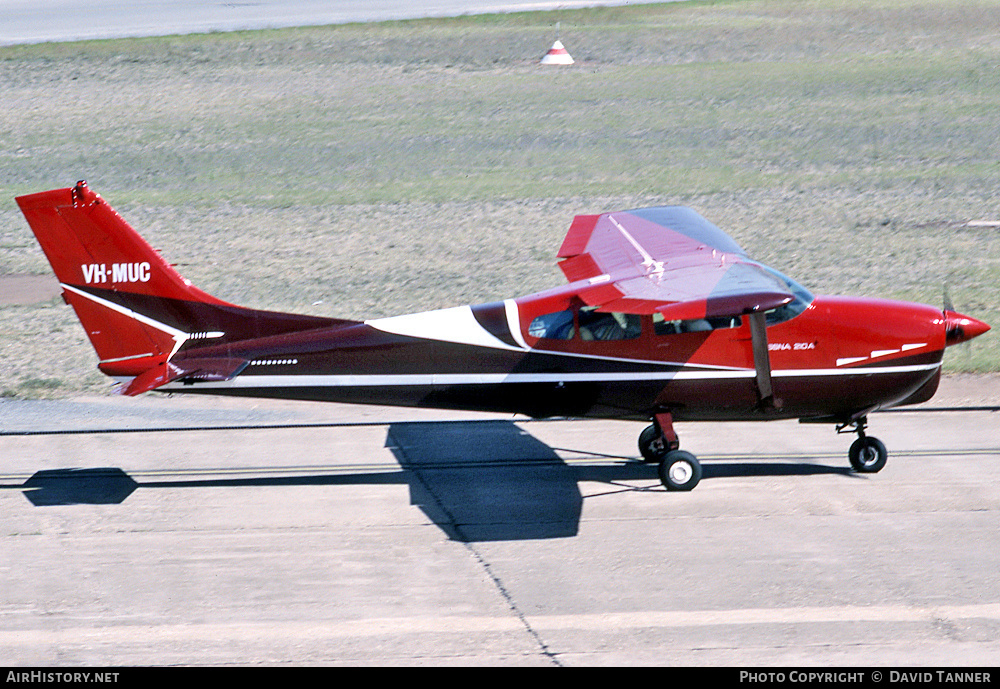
[(593, 325), (553, 326)]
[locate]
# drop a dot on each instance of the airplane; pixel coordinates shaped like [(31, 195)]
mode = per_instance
[(663, 318)]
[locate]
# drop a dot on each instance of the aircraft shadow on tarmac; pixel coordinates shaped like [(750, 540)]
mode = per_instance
[(477, 481), (487, 481), (490, 481), (100, 486)]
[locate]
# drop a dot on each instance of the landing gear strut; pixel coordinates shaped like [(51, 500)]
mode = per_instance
[(867, 454), (658, 443)]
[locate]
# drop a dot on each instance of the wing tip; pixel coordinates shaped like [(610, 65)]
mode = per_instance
[(576, 238)]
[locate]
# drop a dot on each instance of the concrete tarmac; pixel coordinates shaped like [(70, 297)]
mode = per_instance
[(247, 532), (30, 21)]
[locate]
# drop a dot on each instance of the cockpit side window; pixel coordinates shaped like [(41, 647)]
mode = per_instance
[(589, 325), (662, 326), (595, 325)]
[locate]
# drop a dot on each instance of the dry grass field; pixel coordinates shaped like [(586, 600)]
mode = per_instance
[(368, 170)]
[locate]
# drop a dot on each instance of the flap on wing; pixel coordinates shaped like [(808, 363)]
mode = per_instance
[(600, 294)]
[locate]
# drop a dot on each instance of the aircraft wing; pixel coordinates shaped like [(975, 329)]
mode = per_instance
[(668, 260)]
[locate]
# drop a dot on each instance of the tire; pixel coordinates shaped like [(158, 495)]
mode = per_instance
[(679, 470), (868, 455), (650, 454)]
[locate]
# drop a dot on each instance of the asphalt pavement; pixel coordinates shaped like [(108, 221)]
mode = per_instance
[(200, 531), (25, 21)]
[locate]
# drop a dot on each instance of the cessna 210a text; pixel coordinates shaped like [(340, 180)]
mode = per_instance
[(664, 318)]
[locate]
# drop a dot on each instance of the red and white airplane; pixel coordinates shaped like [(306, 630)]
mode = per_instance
[(664, 317)]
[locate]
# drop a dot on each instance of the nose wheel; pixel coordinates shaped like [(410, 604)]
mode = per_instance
[(658, 444), (867, 454)]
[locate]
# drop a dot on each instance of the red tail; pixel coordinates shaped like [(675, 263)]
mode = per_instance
[(89, 244), (137, 310)]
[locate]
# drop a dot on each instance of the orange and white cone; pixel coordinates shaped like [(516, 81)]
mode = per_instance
[(557, 55)]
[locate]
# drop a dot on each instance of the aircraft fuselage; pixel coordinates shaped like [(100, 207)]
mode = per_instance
[(837, 357)]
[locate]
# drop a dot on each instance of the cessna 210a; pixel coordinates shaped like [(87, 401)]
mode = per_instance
[(664, 318)]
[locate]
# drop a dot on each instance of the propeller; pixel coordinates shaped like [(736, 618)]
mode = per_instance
[(957, 327), (948, 304)]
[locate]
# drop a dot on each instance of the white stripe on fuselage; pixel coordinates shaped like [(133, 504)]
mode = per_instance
[(440, 379)]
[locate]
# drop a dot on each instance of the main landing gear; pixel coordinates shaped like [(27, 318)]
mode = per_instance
[(658, 443), (867, 454), (680, 470)]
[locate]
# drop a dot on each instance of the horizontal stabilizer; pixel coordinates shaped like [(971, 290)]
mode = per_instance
[(148, 380), (208, 368), (194, 369)]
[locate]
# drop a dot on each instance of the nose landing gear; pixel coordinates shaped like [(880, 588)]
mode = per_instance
[(867, 454)]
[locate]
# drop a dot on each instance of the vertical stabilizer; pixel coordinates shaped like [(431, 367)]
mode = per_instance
[(136, 309), (92, 247)]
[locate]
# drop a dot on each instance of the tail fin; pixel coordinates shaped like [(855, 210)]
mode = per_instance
[(137, 310)]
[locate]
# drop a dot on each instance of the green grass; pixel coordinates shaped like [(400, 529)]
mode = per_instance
[(392, 167)]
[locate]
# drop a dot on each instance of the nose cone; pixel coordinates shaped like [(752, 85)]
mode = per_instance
[(959, 328)]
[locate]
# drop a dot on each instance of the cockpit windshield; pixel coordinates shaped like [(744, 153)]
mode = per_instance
[(801, 301)]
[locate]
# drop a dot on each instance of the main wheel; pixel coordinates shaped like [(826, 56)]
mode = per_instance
[(650, 446), (868, 455), (679, 470)]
